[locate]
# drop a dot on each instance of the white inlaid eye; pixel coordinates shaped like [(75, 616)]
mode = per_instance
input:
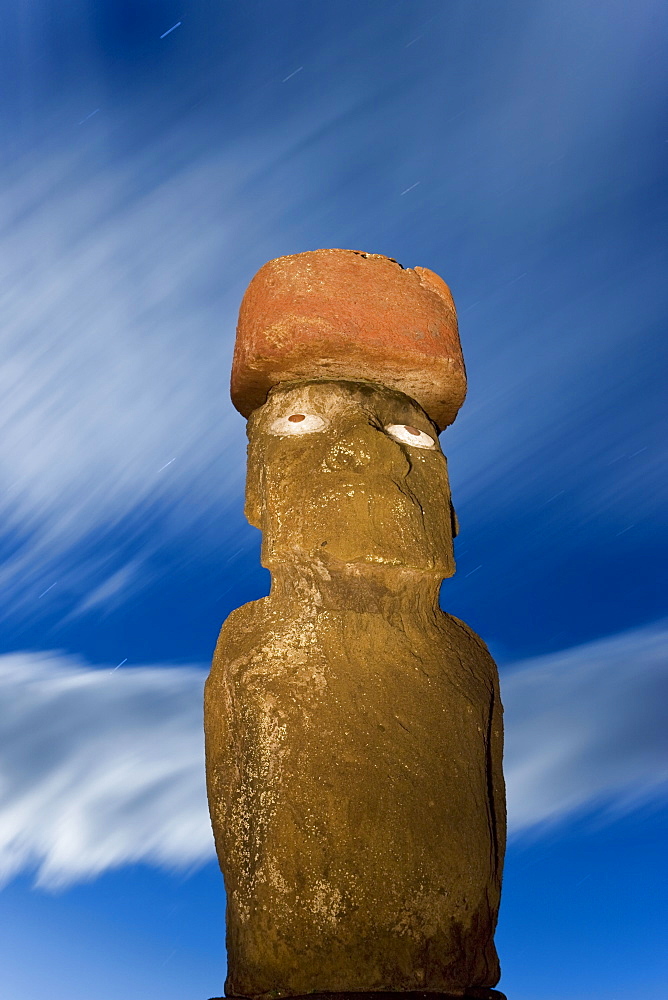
[(408, 434), (297, 423)]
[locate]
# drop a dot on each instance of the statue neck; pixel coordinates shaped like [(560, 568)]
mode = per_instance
[(356, 587)]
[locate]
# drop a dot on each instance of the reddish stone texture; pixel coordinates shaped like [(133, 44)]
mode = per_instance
[(342, 314)]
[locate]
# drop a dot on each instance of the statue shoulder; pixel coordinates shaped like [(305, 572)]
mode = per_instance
[(466, 640), (241, 626)]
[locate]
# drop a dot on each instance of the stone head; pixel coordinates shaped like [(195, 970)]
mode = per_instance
[(344, 473)]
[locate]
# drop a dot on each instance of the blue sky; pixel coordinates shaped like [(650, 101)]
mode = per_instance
[(516, 149)]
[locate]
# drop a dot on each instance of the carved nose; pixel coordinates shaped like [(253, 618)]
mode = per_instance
[(366, 449)]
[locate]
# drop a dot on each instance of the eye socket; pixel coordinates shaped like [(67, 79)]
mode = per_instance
[(407, 434), (297, 423)]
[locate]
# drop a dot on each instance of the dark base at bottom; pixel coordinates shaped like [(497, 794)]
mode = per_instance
[(474, 993)]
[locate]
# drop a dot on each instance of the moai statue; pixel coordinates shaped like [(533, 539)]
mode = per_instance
[(353, 729)]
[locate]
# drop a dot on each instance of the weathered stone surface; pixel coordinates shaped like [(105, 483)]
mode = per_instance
[(353, 730), (341, 314)]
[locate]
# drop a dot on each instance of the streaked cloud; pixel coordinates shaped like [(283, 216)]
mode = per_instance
[(585, 728), (101, 768), (114, 406), (112, 591), (104, 767)]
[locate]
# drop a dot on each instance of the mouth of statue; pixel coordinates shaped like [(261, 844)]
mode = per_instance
[(379, 563), (334, 557)]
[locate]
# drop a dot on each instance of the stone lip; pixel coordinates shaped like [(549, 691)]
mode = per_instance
[(473, 993), (348, 315)]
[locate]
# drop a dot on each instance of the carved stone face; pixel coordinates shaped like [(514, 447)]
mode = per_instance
[(348, 472)]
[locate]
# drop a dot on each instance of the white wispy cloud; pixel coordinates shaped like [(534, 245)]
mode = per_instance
[(104, 767), (100, 768), (111, 368), (585, 728), (113, 589)]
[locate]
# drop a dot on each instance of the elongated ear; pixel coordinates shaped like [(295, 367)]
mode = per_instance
[(254, 505), (454, 521)]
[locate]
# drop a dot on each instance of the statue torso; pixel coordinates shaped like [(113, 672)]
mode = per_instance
[(339, 743)]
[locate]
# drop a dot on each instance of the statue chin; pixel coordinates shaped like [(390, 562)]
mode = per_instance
[(332, 562)]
